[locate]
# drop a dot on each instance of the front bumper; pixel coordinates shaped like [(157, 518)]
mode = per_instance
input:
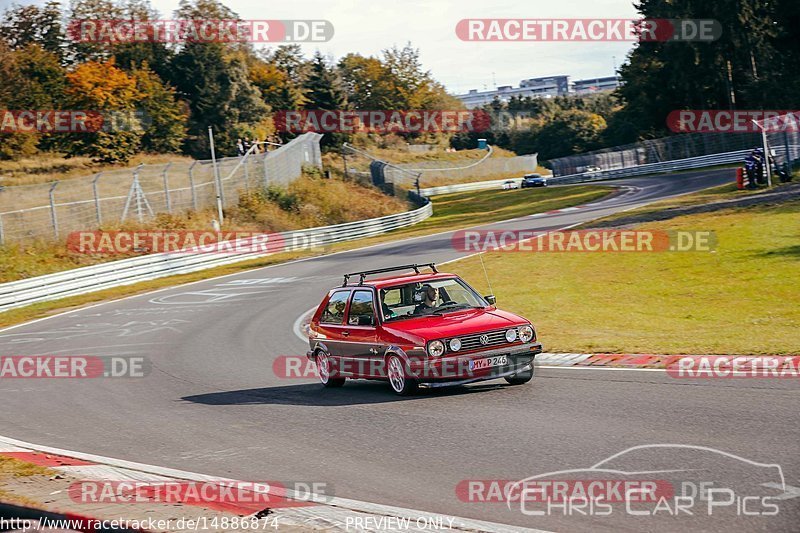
[(454, 369)]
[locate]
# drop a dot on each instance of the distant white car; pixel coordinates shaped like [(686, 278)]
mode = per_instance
[(510, 184), (593, 169)]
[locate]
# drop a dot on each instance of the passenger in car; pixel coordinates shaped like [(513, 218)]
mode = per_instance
[(387, 313)]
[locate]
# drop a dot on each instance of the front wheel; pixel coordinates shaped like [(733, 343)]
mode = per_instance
[(521, 377), (398, 379), (324, 369)]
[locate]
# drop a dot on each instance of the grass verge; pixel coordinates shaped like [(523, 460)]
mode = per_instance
[(14, 468), (712, 194), (742, 298), (451, 212)]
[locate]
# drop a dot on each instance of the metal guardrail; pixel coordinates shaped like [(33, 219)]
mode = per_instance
[(128, 271), (462, 187), (654, 168), (640, 170)]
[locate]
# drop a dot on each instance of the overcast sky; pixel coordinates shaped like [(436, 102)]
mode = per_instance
[(368, 26)]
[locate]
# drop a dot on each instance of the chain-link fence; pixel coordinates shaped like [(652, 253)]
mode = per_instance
[(54, 209), (785, 147), (408, 176), (672, 148), (432, 172)]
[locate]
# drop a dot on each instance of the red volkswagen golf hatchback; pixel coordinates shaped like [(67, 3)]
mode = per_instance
[(419, 329)]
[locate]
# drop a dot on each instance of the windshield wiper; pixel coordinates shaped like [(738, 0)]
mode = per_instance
[(452, 307)]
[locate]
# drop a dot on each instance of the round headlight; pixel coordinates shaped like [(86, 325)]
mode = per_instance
[(525, 333), (435, 348), (455, 344), (511, 335)]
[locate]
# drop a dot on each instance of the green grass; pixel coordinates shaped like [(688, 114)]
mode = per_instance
[(463, 209), (743, 298), (713, 194), (450, 212)]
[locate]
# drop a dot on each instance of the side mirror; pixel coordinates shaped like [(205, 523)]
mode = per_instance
[(490, 298), (365, 320)]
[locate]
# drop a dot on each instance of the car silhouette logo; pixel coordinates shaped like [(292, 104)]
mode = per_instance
[(484, 339)]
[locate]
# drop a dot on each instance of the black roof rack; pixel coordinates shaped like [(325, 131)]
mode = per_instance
[(366, 273)]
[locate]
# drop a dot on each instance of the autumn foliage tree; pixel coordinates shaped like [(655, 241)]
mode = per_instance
[(101, 87)]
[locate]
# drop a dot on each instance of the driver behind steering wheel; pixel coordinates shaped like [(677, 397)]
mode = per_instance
[(430, 301)]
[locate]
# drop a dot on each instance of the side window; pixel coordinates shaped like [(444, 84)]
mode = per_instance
[(362, 309), (334, 311)]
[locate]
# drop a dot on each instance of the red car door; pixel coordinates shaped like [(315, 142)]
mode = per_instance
[(332, 330), (362, 355)]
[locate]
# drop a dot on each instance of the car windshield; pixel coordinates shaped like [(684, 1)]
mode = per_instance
[(431, 298)]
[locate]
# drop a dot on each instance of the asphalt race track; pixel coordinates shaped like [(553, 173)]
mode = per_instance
[(212, 403)]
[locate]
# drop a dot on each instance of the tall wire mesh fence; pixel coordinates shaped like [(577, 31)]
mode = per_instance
[(672, 148), (52, 210), (394, 177), (785, 148)]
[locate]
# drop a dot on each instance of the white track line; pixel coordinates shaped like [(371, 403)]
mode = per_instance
[(333, 511)]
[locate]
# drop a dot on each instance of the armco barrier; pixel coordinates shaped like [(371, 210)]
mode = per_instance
[(461, 187), (692, 163), (127, 271), (641, 170)]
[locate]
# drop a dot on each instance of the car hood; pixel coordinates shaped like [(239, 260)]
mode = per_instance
[(455, 324)]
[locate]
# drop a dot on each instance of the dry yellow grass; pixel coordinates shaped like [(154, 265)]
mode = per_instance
[(46, 167), (316, 201)]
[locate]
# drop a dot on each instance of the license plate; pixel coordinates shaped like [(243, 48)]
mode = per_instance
[(489, 362)]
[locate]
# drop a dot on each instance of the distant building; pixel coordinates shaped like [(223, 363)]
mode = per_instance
[(595, 85), (545, 87)]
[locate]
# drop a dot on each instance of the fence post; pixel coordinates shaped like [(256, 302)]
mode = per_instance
[(266, 174), (788, 154), (138, 192), (246, 177), (191, 185), (97, 199), (53, 216), (166, 188)]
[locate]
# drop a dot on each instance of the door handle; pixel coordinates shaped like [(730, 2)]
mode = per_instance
[(345, 333)]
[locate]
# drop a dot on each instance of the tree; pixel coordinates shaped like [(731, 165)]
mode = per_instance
[(216, 85), (104, 88), (753, 65), (80, 10), (165, 121), (133, 55), (323, 86), (571, 132), (26, 25), (369, 83), (324, 91)]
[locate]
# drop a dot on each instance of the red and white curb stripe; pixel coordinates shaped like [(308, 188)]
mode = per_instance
[(629, 361), (329, 513)]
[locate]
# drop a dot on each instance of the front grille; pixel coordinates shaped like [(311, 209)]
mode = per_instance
[(473, 340)]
